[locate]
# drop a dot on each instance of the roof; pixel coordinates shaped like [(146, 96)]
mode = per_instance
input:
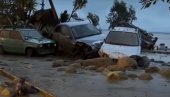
[(71, 24)]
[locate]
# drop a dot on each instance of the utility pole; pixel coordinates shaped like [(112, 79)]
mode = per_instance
[(42, 5), (54, 12)]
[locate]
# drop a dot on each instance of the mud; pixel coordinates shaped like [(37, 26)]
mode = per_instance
[(84, 83)]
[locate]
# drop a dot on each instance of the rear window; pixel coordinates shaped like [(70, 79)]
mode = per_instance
[(122, 38)]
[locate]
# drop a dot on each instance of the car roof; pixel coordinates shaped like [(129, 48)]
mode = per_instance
[(71, 24), (125, 29)]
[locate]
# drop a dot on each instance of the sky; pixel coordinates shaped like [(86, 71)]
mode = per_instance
[(153, 19)]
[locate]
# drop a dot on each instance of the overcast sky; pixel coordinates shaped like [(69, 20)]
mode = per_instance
[(153, 19)]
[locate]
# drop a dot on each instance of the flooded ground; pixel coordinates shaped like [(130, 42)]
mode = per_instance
[(39, 72)]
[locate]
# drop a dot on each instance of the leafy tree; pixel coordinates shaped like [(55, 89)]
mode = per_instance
[(148, 3), (15, 10), (78, 4), (120, 13), (94, 18)]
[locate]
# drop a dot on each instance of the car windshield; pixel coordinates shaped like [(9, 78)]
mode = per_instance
[(31, 34), (81, 31), (122, 38)]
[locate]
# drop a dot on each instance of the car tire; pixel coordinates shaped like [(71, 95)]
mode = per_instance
[(29, 52), (1, 50)]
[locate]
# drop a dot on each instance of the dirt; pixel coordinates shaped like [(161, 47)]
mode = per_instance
[(83, 83)]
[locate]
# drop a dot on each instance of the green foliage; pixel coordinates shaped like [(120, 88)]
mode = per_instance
[(120, 13), (15, 10), (78, 4), (94, 18), (148, 3)]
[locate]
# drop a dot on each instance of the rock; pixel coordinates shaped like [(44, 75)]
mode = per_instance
[(105, 71), (70, 69), (165, 72), (145, 76), (143, 62), (92, 67), (98, 62), (76, 65), (100, 69), (116, 75), (133, 76), (126, 62), (152, 70)]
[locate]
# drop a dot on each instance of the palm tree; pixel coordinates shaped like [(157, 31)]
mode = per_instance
[(78, 4)]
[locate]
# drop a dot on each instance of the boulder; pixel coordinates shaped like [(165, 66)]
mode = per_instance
[(152, 70), (145, 76), (97, 62), (127, 62), (143, 62), (64, 44), (165, 72), (116, 75), (70, 69)]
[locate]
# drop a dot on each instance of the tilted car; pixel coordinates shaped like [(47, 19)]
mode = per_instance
[(121, 42), (78, 32), (25, 41)]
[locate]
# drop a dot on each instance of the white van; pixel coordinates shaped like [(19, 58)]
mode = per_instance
[(121, 42)]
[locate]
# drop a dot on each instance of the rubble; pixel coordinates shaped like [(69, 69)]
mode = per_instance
[(126, 62), (75, 65), (97, 62), (145, 76), (116, 75), (70, 69), (165, 72)]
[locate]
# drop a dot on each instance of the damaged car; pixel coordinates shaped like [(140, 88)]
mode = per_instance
[(78, 38), (121, 42), (25, 41)]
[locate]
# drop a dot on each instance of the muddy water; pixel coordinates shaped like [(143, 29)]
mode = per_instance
[(84, 83)]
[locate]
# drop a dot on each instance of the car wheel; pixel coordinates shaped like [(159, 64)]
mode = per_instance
[(29, 52), (1, 50)]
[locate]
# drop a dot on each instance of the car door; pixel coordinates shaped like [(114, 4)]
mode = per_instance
[(5, 41), (16, 41)]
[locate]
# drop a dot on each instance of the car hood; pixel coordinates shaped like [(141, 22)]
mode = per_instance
[(40, 41), (90, 40)]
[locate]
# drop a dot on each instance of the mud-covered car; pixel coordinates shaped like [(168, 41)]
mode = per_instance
[(78, 37), (25, 41)]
